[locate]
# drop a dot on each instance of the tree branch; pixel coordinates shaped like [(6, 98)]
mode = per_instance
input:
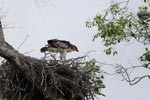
[(1, 35), (17, 59), (125, 73)]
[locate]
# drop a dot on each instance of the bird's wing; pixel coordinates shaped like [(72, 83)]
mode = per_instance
[(52, 43), (59, 43)]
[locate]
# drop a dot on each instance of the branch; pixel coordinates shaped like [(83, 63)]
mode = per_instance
[(125, 73), (17, 59), (1, 35), (138, 79)]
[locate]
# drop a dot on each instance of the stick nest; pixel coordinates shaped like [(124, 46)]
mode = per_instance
[(56, 80)]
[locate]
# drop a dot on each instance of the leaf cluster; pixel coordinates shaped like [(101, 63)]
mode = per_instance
[(146, 58), (117, 24), (92, 73)]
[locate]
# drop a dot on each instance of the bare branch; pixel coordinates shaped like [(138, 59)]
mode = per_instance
[(125, 72), (1, 35), (23, 42), (47, 2)]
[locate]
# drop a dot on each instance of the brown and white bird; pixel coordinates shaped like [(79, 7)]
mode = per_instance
[(59, 46)]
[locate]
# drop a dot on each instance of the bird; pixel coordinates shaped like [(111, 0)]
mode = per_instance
[(59, 46)]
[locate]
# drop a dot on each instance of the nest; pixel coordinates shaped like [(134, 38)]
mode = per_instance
[(59, 80)]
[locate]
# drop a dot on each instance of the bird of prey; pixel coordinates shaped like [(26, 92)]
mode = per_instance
[(59, 46)]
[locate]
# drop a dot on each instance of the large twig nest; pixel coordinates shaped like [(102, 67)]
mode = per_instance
[(65, 80)]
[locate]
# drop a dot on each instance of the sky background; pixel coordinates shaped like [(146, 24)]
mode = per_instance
[(65, 19)]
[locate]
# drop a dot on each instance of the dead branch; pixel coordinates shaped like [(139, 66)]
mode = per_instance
[(126, 73), (1, 35)]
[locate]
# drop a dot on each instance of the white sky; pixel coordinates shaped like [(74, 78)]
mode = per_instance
[(67, 21)]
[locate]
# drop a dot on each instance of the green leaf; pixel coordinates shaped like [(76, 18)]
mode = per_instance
[(115, 53), (108, 51), (146, 49)]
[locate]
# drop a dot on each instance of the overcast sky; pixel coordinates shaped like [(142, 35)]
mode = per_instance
[(65, 19)]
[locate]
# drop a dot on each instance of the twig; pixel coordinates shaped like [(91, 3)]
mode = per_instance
[(22, 42)]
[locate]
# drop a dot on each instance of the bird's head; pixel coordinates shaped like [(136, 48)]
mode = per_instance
[(74, 48), (44, 49)]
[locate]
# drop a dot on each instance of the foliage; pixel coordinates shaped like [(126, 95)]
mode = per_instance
[(118, 24), (147, 1), (146, 58), (92, 74)]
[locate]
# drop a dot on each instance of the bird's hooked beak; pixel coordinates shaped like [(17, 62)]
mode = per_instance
[(75, 49), (46, 45)]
